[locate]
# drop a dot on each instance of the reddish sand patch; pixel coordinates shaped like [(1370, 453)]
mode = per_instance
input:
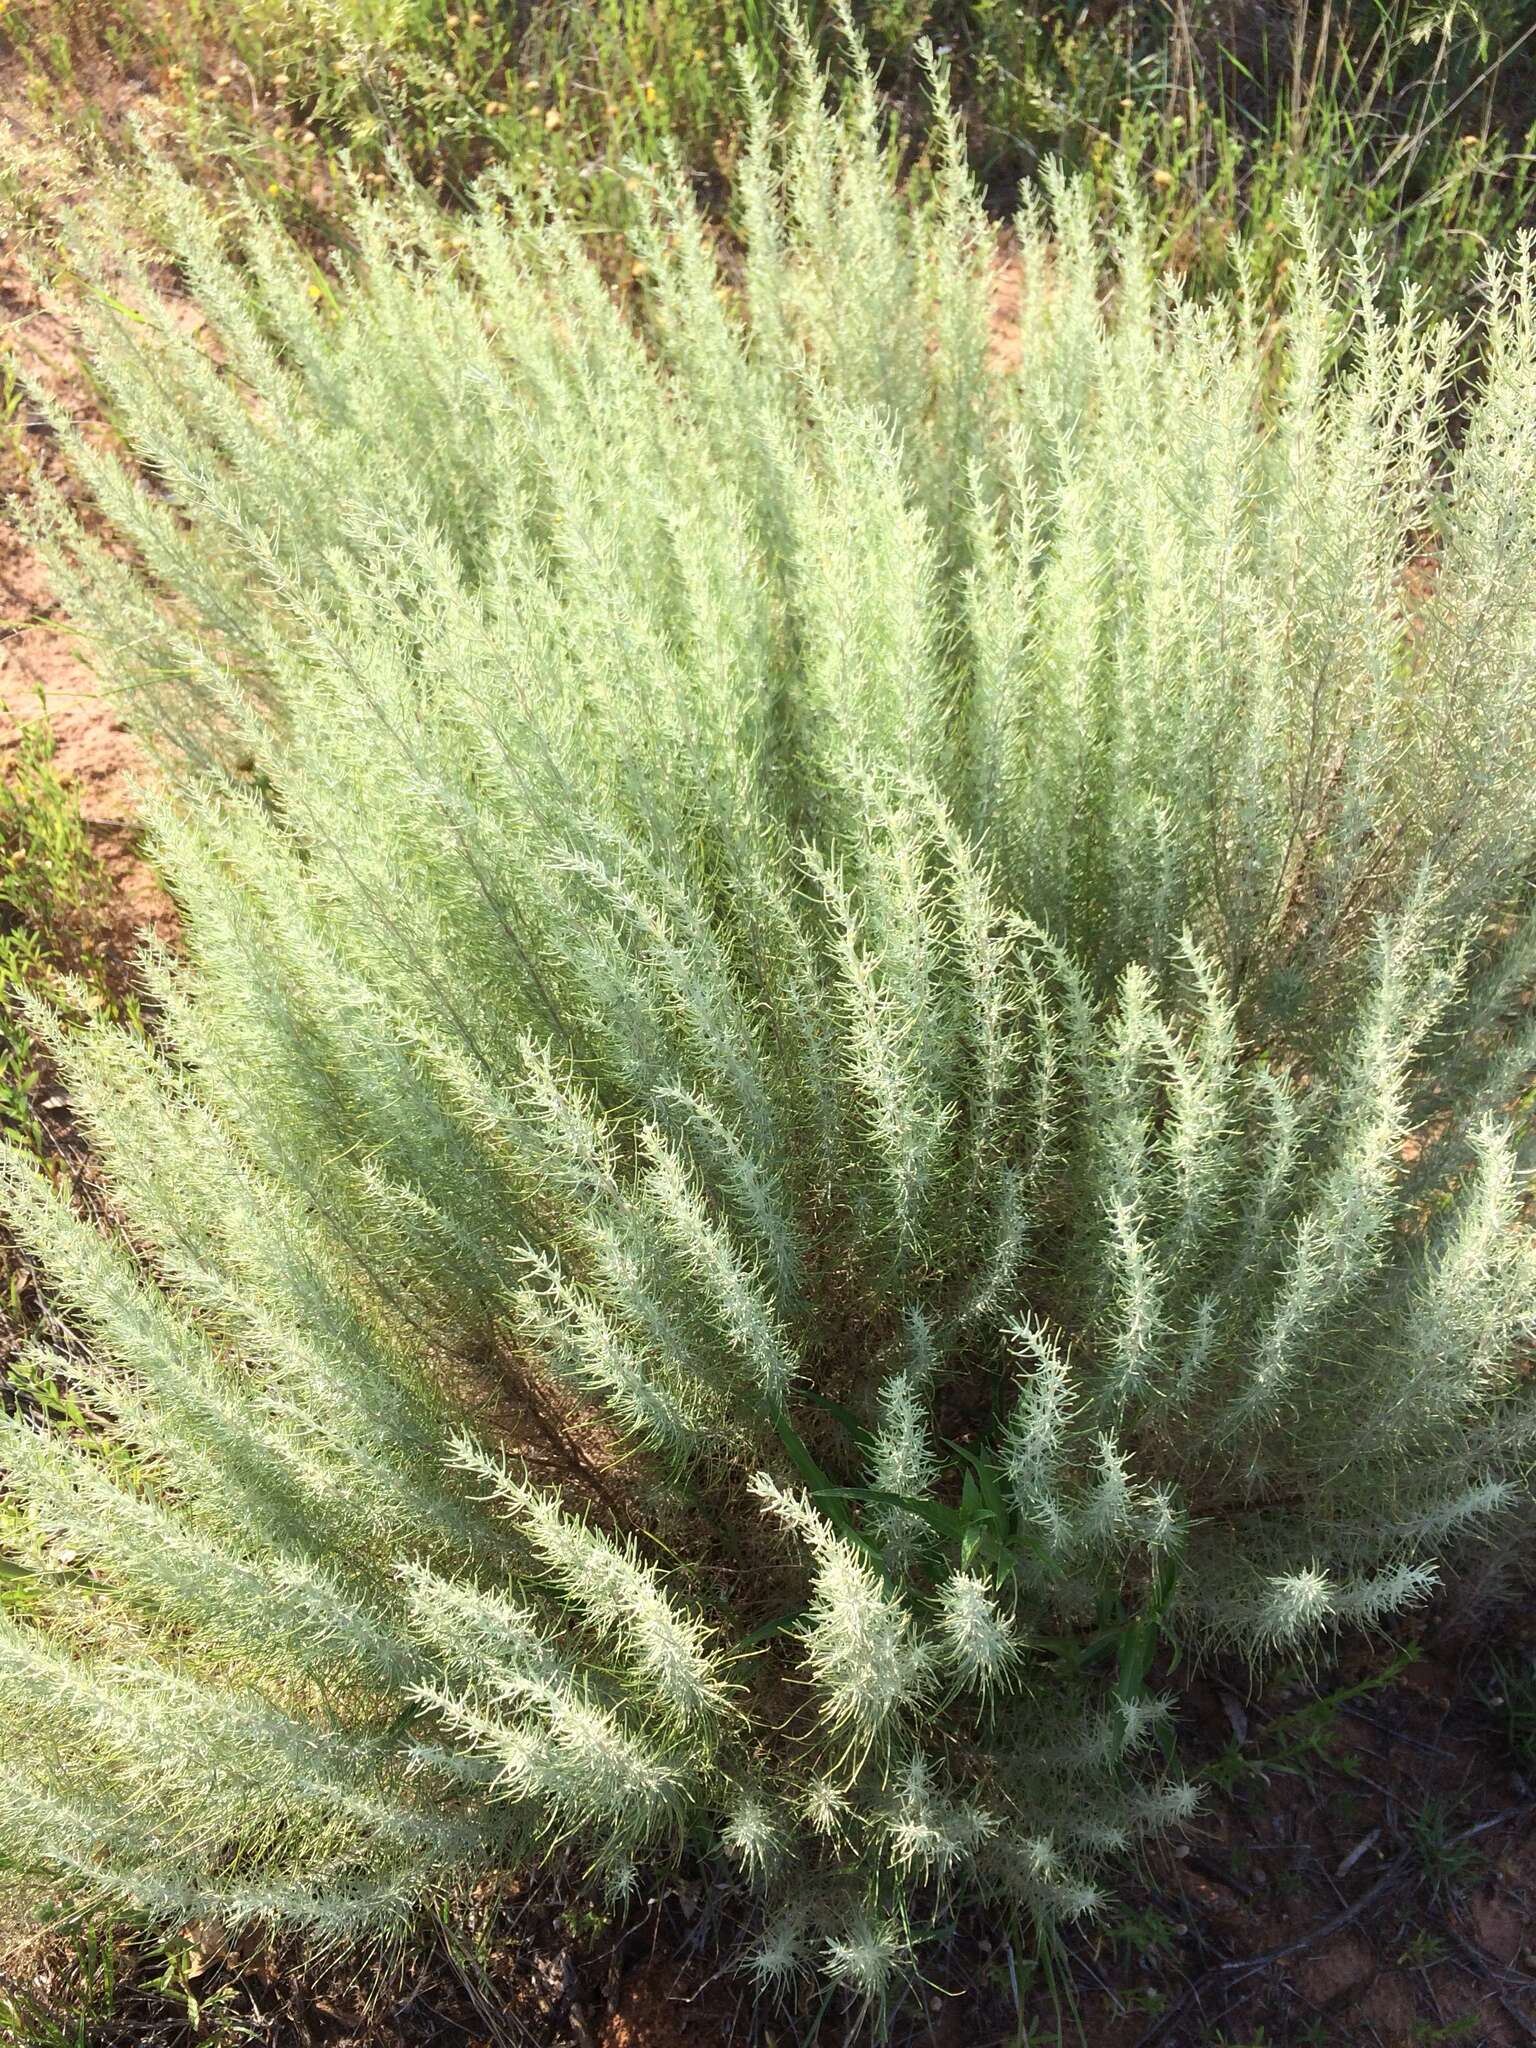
[(657, 2008), (42, 668)]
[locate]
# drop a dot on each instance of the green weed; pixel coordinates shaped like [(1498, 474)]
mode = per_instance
[(1295, 1744), (1510, 1693), (1449, 1864)]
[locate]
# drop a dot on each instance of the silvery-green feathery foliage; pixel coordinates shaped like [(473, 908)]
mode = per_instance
[(850, 1051)]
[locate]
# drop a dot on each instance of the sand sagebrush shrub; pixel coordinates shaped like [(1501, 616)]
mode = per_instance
[(850, 1052)]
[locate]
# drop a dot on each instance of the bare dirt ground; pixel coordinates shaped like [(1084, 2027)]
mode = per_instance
[(42, 667)]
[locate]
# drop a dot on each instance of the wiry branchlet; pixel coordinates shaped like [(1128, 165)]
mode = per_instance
[(980, 1642), (621, 1596), (866, 1958), (864, 1654), (902, 1463)]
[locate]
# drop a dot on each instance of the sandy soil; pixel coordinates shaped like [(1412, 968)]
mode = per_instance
[(41, 665)]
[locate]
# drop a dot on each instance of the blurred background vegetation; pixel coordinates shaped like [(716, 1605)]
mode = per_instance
[(1412, 121)]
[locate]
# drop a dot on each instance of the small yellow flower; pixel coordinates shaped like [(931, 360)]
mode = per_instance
[(1162, 179), (554, 118), (314, 291), (650, 94), (274, 190)]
